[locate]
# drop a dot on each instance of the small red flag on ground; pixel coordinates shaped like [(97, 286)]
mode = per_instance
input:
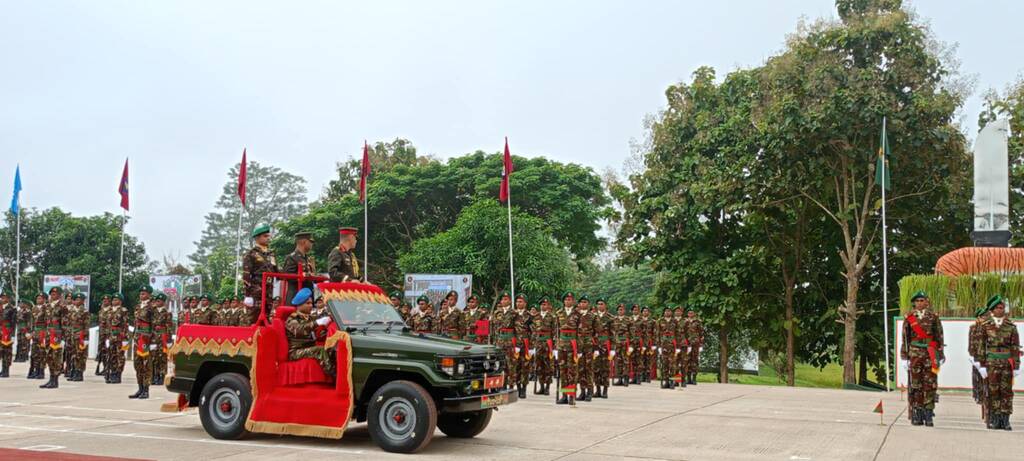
[(878, 408), (242, 177), (123, 187), (506, 171), (365, 172)]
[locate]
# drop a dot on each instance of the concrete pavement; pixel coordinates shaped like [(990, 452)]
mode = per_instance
[(706, 422)]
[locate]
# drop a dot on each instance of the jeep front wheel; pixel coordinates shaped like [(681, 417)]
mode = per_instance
[(464, 425), (224, 406), (401, 417)]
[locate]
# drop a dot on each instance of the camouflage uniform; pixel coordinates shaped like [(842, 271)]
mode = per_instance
[(667, 347), (8, 323), (694, 329), (503, 320), (545, 326), (586, 337), (291, 266), (77, 328), (604, 347), (922, 347), (255, 262), (999, 354), (451, 324), (342, 265), (977, 382), (621, 343), (521, 341), (102, 349), (24, 331), (683, 356), (162, 331), (568, 320), (144, 346), (117, 323), (638, 341), (40, 342), (54, 313), (470, 319), (302, 332)]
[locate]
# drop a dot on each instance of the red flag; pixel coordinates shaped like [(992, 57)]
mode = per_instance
[(365, 173), (242, 176), (123, 187), (506, 171), (878, 408)]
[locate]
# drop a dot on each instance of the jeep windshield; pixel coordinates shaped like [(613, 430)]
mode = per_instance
[(363, 313)]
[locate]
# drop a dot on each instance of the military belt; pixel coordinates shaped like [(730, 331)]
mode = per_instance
[(602, 337), (999, 355), (543, 337), (919, 343)]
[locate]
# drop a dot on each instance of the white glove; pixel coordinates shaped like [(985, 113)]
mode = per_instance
[(630, 351), (152, 347), (131, 328), (659, 350), (677, 351), (611, 353), (28, 335), (533, 351), (323, 321), (174, 338), (596, 353), (247, 301), (654, 348), (62, 343), (700, 349), (1016, 372), (556, 354), (106, 343), (974, 364), (86, 342), (124, 343), (905, 364), (518, 349), (983, 372)]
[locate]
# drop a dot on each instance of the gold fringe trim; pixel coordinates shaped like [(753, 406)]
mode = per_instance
[(305, 430), (334, 339), (187, 346), (169, 407), (356, 295)]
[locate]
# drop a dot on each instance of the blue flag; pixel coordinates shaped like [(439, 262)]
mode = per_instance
[(17, 190)]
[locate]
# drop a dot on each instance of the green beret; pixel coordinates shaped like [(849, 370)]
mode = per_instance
[(994, 301), (117, 296), (206, 297), (78, 296), (59, 290), (485, 306), (41, 294), (503, 294), (260, 230), (567, 294), (473, 296), (26, 301), (980, 311), (396, 294), (146, 288), (600, 299), (105, 297), (522, 296), (583, 297), (544, 299), (423, 298), (918, 294)]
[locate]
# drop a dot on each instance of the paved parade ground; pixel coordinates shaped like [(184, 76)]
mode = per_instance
[(709, 421)]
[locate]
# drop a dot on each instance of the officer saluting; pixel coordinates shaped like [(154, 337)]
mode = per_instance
[(259, 259), (342, 264)]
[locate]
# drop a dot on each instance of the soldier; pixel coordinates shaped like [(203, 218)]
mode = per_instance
[(163, 328), (450, 321), (118, 321), (476, 322), (621, 346), (77, 326), (998, 357), (604, 347), (143, 342), (185, 311), (222, 314), (396, 302), (104, 339), (637, 344), (54, 313), (683, 355), (543, 329), (8, 324), (39, 339), (423, 322), (342, 264), (303, 331), (406, 312), (567, 353), (258, 260), (300, 259), (694, 344), (667, 349), (504, 321), (204, 313), (522, 349), (586, 337), (647, 331), (24, 330), (922, 354), (977, 382)]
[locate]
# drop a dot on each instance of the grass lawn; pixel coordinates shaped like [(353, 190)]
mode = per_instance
[(806, 376)]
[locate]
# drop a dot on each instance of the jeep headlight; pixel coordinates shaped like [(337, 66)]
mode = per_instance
[(452, 367)]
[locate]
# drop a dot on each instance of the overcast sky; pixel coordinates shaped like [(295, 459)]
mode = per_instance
[(181, 87)]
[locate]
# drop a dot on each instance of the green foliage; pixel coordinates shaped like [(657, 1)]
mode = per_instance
[(624, 285), (478, 244), (57, 243), (960, 296), (272, 196)]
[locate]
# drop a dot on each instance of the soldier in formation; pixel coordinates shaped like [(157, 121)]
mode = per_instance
[(567, 354), (142, 342), (37, 363), (76, 337), (522, 353), (503, 319), (114, 331), (544, 329), (163, 328), (8, 333), (476, 321), (24, 330), (603, 346), (258, 260), (586, 337), (621, 346), (423, 322), (53, 314), (668, 349), (694, 329), (996, 353), (921, 354), (450, 323)]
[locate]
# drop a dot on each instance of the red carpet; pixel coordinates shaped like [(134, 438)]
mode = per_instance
[(29, 455)]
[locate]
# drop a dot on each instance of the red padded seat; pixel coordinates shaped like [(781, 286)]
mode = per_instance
[(293, 372)]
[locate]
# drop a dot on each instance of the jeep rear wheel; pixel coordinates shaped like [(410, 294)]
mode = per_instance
[(402, 417), (224, 406), (464, 425)]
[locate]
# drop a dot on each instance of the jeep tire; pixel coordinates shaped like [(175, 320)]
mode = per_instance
[(401, 417), (224, 406), (464, 425)]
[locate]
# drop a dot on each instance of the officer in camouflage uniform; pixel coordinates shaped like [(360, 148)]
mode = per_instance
[(683, 355), (424, 322), (54, 313), (450, 323), (621, 347), (222, 314), (604, 347), (647, 329), (143, 342), (694, 344), (543, 329), (78, 336), (40, 339), (586, 337), (922, 354), (303, 331), (476, 322), (101, 320), (503, 319), (118, 320), (301, 257), (637, 344), (204, 314), (24, 330), (396, 303), (259, 259), (667, 349), (342, 264), (567, 354), (998, 357), (521, 346), (977, 382), (163, 329), (8, 325)]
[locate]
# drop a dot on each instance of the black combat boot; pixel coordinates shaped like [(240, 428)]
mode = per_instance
[(564, 400), (144, 394), (546, 390), (928, 415), (137, 393), (522, 392), (6, 371), (116, 379), (1006, 422), (915, 417), (604, 392), (53, 383)]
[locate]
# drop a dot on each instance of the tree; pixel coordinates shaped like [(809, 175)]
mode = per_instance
[(383, 157), (625, 285), (54, 242), (272, 196), (478, 244), (1011, 105)]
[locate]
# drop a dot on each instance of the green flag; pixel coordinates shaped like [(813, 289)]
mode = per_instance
[(882, 164)]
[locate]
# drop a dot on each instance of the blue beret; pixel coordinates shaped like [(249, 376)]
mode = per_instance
[(302, 296)]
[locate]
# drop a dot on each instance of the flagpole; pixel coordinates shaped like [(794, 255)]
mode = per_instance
[(511, 266), (238, 247), (17, 264), (885, 259), (366, 237), (120, 271)]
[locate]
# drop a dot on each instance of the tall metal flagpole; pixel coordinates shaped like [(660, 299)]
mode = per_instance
[(120, 266), (366, 236), (885, 258), (17, 264), (238, 248), (511, 266)]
